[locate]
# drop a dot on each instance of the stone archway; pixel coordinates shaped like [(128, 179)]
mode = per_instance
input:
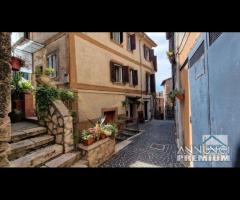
[(5, 97)]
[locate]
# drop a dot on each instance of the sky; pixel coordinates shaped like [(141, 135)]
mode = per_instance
[(164, 66)]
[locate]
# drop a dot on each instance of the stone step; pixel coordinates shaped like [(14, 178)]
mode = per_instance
[(38, 157), (80, 164), (23, 134), (132, 130), (65, 160), (121, 137), (128, 134), (24, 146)]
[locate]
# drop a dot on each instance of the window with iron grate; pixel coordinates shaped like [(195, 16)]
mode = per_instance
[(197, 55), (213, 36)]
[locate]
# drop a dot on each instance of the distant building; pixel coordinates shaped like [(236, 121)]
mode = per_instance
[(159, 106), (168, 113)]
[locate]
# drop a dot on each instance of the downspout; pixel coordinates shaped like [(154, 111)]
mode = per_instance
[(140, 53)]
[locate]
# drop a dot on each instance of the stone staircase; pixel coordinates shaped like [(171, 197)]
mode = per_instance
[(126, 134), (31, 146)]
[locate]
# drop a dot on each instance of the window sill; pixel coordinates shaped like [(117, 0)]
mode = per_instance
[(119, 83), (133, 86)]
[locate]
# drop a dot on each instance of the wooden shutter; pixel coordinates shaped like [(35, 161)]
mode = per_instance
[(121, 37), (147, 75), (133, 42), (152, 82), (125, 74), (135, 77), (155, 62), (112, 72), (151, 54)]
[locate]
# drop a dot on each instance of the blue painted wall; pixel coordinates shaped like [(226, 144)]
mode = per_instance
[(215, 96)]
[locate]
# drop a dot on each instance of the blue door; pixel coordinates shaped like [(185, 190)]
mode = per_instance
[(215, 92), (198, 81)]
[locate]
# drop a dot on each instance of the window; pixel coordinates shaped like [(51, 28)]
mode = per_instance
[(52, 63), (148, 53), (117, 37), (131, 42), (119, 73), (133, 77)]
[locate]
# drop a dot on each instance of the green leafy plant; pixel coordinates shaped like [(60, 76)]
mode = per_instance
[(48, 71), (66, 95), (20, 85), (44, 96), (25, 85), (85, 135), (171, 57), (110, 129), (174, 93), (170, 54), (38, 71)]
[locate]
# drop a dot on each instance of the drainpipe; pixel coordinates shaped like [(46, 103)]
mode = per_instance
[(140, 53)]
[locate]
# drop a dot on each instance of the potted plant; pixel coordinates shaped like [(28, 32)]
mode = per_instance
[(44, 76), (171, 57), (176, 93), (17, 93), (20, 87), (110, 129), (180, 94), (87, 138)]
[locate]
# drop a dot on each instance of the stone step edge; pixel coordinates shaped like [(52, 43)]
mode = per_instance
[(29, 159), (34, 144), (62, 161), (27, 133)]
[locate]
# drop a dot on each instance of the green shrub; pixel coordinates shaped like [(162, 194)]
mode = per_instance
[(45, 94), (66, 95)]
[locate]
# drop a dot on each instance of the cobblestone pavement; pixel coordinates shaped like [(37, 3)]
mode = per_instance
[(156, 147)]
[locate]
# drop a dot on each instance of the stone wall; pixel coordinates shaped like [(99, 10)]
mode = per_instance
[(59, 123), (98, 152), (5, 97)]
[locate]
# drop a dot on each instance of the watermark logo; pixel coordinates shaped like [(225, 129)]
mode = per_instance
[(213, 148)]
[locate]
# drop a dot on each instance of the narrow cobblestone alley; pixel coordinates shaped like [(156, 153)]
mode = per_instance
[(156, 147)]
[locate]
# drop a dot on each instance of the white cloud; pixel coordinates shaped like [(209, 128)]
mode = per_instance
[(164, 66)]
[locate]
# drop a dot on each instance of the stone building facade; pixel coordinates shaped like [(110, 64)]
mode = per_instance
[(104, 69)]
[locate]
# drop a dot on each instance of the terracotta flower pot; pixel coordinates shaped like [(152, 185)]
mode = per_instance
[(89, 142), (103, 136), (16, 63), (180, 97)]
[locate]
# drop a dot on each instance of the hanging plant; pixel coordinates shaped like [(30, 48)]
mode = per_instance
[(171, 57), (176, 93), (16, 63)]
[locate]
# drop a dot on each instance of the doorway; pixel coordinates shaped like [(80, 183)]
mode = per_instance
[(109, 116)]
